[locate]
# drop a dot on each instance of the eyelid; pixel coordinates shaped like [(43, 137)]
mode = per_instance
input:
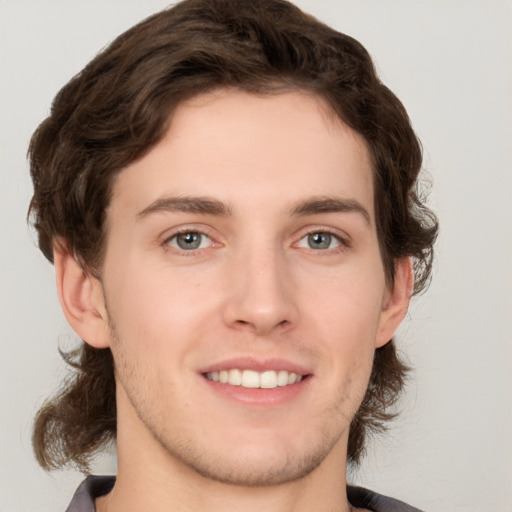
[(168, 235), (173, 241), (344, 239)]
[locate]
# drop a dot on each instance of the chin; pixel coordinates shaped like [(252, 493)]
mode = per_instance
[(255, 466)]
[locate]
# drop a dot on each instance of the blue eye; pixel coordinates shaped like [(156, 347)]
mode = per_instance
[(320, 241), (189, 241)]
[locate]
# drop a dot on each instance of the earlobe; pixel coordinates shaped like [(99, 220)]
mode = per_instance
[(81, 298), (396, 302)]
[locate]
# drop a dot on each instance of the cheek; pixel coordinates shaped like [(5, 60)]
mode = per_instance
[(346, 303), (155, 309), (343, 316)]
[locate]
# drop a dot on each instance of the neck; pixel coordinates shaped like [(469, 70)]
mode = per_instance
[(150, 494)]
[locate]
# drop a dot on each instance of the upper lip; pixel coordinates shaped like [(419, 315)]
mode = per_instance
[(258, 365)]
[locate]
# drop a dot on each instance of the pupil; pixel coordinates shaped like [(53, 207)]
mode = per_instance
[(320, 240), (189, 241)]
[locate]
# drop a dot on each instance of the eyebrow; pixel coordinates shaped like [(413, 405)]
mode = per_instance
[(188, 204), (209, 206), (328, 204)]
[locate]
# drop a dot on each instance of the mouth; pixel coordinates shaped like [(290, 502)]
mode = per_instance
[(262, 383), (251, 379)]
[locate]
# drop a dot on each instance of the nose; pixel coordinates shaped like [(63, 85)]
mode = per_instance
[(260, 295)]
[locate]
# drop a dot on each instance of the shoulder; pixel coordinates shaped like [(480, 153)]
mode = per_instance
[(363, 498), (90, 489)]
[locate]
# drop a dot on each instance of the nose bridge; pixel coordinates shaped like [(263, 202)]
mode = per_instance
[(261, 296)]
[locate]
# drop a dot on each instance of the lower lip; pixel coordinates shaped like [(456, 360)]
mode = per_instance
[(272, 397)]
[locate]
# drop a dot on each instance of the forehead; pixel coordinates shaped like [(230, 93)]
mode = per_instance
[(240, 148)]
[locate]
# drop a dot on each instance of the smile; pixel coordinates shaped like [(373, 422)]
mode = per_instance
[(253, 379)]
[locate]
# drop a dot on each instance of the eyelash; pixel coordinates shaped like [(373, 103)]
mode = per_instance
[(166, 243), (344, 242)]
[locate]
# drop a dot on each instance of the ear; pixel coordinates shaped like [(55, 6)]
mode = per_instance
[(396, 301), (81, 298)]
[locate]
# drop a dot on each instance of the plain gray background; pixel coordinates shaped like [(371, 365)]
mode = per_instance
[(449, 61)]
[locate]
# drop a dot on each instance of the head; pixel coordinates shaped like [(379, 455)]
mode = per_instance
[(121, 107)]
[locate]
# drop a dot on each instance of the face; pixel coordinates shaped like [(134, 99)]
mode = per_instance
[(244, 290)]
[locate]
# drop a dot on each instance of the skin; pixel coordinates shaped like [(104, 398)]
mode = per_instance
[(256, 287)]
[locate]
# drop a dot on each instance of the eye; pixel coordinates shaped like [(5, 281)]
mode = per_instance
[(320, 240), (189, 241)]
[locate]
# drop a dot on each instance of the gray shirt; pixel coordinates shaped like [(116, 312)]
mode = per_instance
[(94, 486)]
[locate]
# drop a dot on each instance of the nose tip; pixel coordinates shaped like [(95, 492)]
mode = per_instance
[(261, 300), (261, 323)]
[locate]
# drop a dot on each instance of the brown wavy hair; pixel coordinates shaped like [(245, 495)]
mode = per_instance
[(120, 105)]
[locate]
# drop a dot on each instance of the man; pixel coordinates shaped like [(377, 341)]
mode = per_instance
[(228, 195)]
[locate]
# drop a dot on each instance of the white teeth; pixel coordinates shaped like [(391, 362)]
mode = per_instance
[(268, 380), (282, 378), (292, 377), (251, 379), (235, 377)]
